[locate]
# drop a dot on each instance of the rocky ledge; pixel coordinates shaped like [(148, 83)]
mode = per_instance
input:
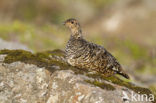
[(45, 77)]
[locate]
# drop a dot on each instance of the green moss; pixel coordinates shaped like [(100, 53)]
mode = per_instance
[(57, 52), (16, 55), (101, 85), (44, 59)]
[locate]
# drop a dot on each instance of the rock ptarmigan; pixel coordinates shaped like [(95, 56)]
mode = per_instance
[(83, 54)]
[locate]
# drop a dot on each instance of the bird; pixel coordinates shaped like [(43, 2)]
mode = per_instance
[(83, 54)]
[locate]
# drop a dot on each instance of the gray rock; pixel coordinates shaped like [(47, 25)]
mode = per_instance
[(28, 83), (12, 45)]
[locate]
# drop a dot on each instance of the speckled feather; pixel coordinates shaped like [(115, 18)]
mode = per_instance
[(87, 55)]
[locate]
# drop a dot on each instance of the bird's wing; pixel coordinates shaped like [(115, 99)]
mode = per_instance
[(107, 60), (116, 66)]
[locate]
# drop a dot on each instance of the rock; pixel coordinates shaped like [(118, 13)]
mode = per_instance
[(12, 45), (45, 77)]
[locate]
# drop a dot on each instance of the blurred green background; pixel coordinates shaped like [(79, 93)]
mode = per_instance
[(126, 28)]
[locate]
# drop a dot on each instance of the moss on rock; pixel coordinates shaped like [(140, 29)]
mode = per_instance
[(118, 81), (48, 59), (43, 59), (101, 85)]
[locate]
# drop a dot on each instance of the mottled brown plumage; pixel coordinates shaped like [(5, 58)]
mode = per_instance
[(87, 55)]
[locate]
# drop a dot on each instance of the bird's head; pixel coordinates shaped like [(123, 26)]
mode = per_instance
[(72, 23), (74, 27)]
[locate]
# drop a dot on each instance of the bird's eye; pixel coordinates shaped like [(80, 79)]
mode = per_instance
[(72, 22)]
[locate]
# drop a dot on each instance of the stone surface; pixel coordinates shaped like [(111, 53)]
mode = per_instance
[(12, 45), (46, 78), (27, 83)]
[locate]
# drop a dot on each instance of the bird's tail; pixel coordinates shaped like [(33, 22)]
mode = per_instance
[(123, 74)]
